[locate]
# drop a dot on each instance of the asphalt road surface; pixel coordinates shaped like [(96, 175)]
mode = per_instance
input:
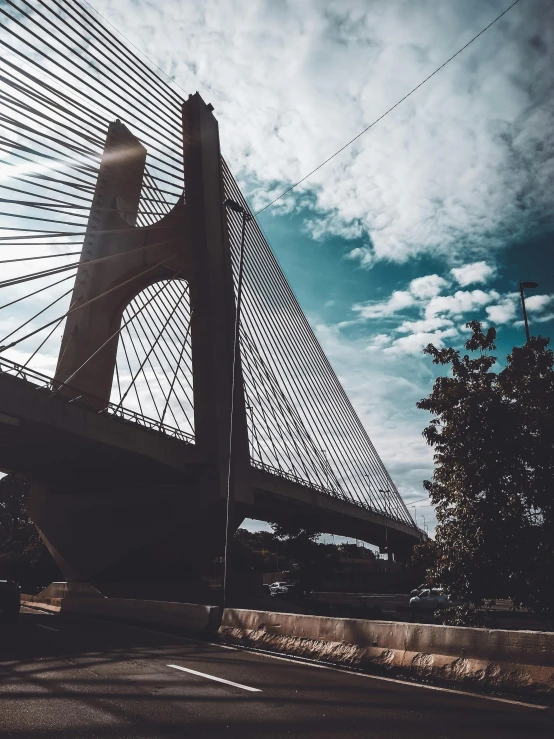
[(63, 678)]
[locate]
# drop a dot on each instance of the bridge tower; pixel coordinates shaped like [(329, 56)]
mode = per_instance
[(125, 526)]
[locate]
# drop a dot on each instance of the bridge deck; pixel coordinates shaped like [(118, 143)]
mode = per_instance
[(47, 437)]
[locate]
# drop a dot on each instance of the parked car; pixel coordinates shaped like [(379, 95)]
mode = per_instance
[(429, 600), (9, 600), (279, 588)]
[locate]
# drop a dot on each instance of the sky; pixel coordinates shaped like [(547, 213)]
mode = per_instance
[(429, 220)]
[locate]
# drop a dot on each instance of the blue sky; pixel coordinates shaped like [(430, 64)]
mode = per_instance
[(427, 221)]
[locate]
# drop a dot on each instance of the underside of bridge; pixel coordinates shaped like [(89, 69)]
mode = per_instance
[(119, 502), (120, 494)]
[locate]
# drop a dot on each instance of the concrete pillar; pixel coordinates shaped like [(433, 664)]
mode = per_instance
[(104, 285), (113, 531)]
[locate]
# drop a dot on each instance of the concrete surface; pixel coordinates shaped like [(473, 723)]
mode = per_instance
[(76, 678), (487, 659), (187, 617)]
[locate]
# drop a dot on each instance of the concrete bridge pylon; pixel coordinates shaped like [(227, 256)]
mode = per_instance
[(118, 521)]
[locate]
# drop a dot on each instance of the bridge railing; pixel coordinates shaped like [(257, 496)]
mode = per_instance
[(331, 492), (112, 410)]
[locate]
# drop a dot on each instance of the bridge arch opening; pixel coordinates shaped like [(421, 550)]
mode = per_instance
[(153, 369)]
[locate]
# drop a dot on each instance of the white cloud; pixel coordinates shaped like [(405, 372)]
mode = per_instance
[(384, 393), (363, 255), (424, 325), (438, 313), (378, 342), (398, 301), (543, 319), (463, 301), (471, 273), (504, 311), (459, 169), (538, 302), (428, 286), (419, 290), (416, 342)]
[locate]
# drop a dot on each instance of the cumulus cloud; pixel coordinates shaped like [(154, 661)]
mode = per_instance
[(384, 393), (398, 301), (471, 273), (462, 301), (437, 317), (378, 342), (416, 342), (419, 289), (424, 325), (463, 167), (428, 286), (538, 302), (504, 311), (364, 255)]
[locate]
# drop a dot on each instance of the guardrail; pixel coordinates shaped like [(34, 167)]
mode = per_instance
[(125, 415), (325, 491)]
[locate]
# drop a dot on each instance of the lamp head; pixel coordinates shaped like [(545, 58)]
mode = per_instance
[(529, 285), (233, 205)]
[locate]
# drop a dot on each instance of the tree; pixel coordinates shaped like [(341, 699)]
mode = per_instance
[(23, 556), (256, 550), (313, 561), (492, 435)]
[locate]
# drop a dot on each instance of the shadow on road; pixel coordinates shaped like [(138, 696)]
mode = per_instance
[(102, 680)]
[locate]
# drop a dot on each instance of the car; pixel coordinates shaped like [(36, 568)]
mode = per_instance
[(279, 588), (429, 599), (9, 600)]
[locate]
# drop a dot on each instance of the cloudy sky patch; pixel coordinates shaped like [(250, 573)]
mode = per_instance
[(430, 219)]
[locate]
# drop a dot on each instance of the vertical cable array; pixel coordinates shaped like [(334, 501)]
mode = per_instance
[(153, 373), (63, 78), (301, 423)]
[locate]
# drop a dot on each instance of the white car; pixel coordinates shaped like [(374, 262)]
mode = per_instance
[(279, 588), (429, 600)]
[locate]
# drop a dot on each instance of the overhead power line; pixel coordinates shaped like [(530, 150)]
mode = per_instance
[(366, 129)]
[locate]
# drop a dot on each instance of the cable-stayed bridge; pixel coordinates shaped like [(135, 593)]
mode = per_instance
[(128, 250)]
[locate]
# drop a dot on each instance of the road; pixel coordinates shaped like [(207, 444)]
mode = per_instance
[(69, 678)]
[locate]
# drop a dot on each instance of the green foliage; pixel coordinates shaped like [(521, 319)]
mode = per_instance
[(313, 561), (23, 556), (462, 615), (258, 550), (292, 546), (493, 440)]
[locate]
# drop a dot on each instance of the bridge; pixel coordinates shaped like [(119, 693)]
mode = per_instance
[(160, 383)]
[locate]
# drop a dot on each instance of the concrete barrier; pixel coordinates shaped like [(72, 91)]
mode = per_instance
[(187, 617), (512, 661), (28, 602)]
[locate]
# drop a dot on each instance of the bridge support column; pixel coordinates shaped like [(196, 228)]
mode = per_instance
[(132, 525)]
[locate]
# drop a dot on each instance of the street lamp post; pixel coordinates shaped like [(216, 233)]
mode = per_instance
[(237, 208), (386, 492), (415, 513), (522, 287)]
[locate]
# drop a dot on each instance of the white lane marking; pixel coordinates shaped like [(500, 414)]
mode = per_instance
[(307, 663), (217, 679), (50, 628), (216, 644)]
